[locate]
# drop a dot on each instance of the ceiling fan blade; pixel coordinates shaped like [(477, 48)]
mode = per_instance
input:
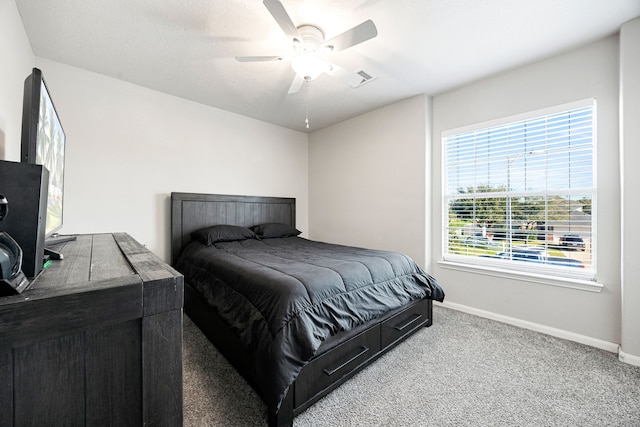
[(358, 34), (283, 19), (296, 84), (260, 58), (347, 77)]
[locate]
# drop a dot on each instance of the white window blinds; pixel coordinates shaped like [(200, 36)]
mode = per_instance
[(521, 195)]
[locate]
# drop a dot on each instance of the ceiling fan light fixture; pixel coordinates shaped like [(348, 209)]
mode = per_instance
[(308, 66)]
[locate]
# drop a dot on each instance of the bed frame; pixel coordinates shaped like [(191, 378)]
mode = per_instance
[(338, 359)]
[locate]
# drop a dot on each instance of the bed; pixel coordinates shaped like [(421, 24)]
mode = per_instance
[(343, 307)]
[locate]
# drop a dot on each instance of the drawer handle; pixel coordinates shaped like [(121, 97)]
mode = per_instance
[(408, 322), (362, 351)]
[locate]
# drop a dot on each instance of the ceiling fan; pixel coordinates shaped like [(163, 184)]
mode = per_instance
[(312, 50)]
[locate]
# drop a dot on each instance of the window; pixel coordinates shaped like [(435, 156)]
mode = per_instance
[(520, 193)]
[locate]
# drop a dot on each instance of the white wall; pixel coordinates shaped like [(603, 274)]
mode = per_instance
[(630, 153), (16, 59), (129, 147), (367, 180), (590, 71)]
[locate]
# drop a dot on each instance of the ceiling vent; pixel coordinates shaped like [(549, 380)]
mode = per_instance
[(364, 78)]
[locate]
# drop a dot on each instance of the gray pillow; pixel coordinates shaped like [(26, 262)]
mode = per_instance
[(271, 230), (222, 233)]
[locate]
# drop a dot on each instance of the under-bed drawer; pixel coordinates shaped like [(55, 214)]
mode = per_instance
[(403, 323), (341, 361)]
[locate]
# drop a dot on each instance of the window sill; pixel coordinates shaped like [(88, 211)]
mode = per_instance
[(583, 285)]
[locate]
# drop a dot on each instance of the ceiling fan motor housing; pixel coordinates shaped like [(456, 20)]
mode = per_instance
[(312, 39)]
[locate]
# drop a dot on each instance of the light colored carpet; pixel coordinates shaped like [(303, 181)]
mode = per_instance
[(462, 371)]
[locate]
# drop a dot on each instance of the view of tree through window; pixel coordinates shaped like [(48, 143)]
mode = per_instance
[(522, 192)]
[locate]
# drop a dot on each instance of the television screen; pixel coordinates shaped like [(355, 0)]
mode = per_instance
[(43, 143)]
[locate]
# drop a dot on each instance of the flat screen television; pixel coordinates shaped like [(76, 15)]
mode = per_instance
[(43, 143)]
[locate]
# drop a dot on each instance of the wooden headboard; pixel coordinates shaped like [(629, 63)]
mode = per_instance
[(193, 211)]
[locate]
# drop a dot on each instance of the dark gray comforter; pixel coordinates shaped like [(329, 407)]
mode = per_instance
[(284, 296)]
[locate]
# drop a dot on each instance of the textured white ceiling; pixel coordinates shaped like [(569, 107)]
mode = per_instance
[(187, 47)]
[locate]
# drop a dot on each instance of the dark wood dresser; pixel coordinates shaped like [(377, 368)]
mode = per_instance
[(95, 340)]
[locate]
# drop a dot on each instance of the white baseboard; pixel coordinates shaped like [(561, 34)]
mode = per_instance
[(559, 333), (629, 358)]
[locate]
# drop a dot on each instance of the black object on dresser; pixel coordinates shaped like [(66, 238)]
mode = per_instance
[(95, 340), (26, 187)]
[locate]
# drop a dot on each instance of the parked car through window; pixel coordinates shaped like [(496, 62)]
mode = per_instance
[(572, 241)]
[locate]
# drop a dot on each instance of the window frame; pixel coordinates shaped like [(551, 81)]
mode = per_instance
[(547, 274)]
